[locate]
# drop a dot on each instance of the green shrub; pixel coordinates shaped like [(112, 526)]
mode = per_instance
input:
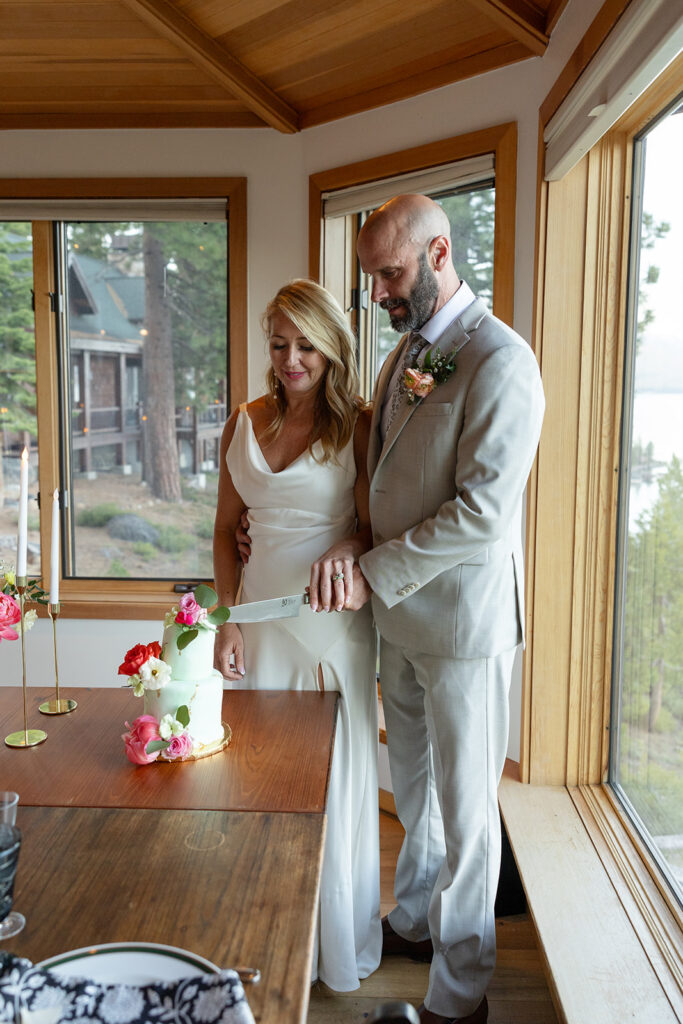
[(117, 568), (144, 549), (174, 540), (98, 515), (204, 529)]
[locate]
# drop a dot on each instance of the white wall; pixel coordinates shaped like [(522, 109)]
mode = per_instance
[(277, 168)]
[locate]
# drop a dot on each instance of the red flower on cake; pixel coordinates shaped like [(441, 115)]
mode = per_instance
[(137, 656)]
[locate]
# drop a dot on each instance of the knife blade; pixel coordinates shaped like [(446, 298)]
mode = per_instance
[(264, 611)]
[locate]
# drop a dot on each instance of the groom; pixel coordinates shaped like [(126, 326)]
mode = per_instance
[(447, 476)]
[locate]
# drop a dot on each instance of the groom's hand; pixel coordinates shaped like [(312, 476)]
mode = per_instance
[(361, 590), (243, 539), (337, 583)]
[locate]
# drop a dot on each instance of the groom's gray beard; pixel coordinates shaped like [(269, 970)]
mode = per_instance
[(419, 303)]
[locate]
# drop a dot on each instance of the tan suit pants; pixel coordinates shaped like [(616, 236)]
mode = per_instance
[(447, 730)]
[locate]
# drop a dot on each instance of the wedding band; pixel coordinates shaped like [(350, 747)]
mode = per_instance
[(338, 576)]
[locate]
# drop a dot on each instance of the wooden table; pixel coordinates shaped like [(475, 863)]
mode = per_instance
[(220, 856)]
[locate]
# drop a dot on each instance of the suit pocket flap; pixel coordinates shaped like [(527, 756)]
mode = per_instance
[(434, 409)]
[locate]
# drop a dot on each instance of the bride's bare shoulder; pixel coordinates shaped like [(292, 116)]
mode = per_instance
[(260, 412)]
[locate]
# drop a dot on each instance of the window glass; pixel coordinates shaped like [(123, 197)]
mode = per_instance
[(646, 753), (18, 429), (146, 350)]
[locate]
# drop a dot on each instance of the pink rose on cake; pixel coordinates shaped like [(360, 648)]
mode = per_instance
[(169, 740), (179, 747), (143, 730), (10, 613), (189, 611)]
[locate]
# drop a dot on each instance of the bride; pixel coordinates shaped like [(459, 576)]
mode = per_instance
[(295, 460)]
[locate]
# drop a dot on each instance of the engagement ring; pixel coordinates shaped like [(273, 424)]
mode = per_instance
[(338, 576)]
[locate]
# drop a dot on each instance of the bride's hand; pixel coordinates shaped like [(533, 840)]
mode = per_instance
[(331, 584), (229, 644)]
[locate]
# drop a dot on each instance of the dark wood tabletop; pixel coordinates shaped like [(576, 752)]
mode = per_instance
[(220, 856), (238, 888), (278, 758)]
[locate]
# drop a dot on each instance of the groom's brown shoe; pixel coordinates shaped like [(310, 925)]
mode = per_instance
[(479, 1016), (395, 945)]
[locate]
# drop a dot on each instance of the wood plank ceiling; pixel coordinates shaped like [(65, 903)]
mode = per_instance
[(289, 64)]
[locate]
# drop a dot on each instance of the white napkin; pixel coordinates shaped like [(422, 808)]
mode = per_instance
[(34, 995)]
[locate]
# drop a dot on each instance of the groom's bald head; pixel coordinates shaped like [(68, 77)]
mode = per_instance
[(405, 246)]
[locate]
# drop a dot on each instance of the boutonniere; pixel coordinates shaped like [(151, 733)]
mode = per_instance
[(420, 381)]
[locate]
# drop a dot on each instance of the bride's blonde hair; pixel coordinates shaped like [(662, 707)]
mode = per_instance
[(320, 319)]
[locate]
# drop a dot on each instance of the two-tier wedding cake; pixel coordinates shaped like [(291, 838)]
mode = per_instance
[(183, 693)]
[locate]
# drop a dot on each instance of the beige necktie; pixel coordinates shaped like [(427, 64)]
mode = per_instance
[(415, 345)]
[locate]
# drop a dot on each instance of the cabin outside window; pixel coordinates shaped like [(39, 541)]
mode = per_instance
[(124, 383)]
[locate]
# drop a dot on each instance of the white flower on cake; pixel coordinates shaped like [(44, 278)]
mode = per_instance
[(154, 674), (170, 726)]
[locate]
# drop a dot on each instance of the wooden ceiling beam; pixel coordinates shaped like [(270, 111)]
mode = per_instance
[(520, 18), (213, 58)]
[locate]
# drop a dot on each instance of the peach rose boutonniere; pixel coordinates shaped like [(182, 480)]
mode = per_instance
[(436, 368)]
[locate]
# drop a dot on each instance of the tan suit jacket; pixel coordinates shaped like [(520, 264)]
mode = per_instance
[(446, 493)]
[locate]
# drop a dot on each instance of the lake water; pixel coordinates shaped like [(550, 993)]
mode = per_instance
[(657, 418)]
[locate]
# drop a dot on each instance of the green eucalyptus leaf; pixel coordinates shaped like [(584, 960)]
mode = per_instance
[(205, 596), (183, 716), (155, 745), (218, 616), (186, 637)]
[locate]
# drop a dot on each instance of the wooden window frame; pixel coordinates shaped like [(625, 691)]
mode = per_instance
[(501, 140), (580, 326), (120, 599)]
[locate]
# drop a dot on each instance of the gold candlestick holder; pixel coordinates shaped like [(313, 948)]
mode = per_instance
[(24, 737), (57, 706)]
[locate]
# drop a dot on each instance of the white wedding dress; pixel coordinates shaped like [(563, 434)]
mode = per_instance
[(294, 516)]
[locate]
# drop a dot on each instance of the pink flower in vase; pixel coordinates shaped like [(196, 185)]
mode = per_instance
[(189, 612), (9, 614), (141, 732), (179, 747)]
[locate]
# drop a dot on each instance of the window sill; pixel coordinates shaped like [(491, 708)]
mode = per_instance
[(99, 599), (611, 942)]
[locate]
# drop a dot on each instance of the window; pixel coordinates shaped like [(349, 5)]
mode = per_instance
[(645, 760), (458, 173), (573, 500), (17, 389), (140, 352)]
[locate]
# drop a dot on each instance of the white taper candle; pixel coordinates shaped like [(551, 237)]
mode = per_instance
[(54, 551), (22, 534)]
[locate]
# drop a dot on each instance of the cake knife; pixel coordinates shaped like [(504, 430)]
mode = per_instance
[(264, 611)]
